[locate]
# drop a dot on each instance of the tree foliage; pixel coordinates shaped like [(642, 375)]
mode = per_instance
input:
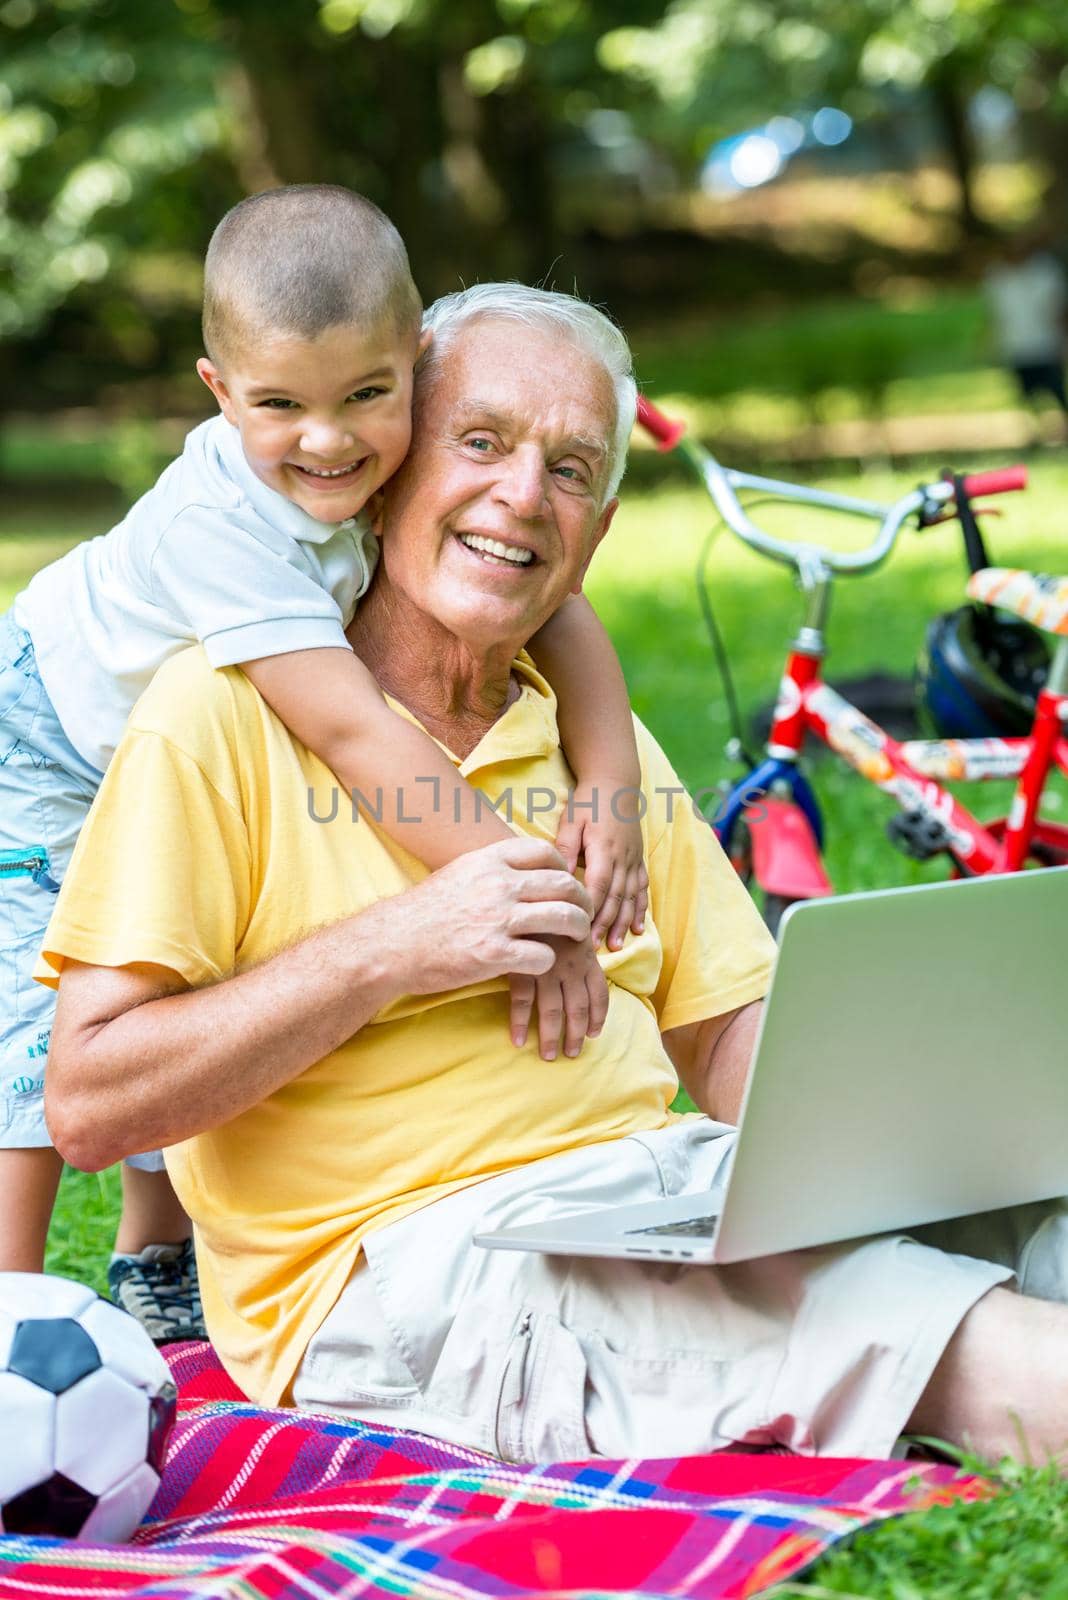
[(106, 131), (126, 128)]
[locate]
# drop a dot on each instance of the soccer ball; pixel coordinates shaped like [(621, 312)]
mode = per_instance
[(86, 1404)]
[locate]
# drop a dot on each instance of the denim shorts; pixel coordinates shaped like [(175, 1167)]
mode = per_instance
[(46, 789)]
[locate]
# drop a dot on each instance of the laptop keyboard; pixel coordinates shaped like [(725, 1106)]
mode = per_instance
[(695, 1227)]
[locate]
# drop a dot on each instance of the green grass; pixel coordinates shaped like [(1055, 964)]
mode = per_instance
[(1010, 1547), (83, 1226)]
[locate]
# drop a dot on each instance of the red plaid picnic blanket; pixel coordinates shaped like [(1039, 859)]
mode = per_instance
[(279, 1505)]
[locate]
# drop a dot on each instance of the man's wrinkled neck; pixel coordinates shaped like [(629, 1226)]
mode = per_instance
[(455, 687)]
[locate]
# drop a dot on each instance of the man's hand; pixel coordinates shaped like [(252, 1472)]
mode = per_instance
[(572, 995), (507, 908)]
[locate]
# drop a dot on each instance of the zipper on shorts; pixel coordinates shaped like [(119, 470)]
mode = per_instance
[(31, 862), (513, 1381)]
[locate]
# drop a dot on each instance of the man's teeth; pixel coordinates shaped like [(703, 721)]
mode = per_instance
[(493, 547), (330, 472)]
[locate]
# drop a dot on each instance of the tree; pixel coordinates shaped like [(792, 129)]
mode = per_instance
[(102, 146), (713, 65), (126, 129), (444, 111)]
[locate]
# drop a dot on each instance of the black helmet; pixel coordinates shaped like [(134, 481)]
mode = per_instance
[(979, 674)]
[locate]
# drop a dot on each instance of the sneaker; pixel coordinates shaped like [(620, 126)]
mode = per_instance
[(159, 1287)]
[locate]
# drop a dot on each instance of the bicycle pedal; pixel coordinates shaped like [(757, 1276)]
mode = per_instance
[(917, 834)]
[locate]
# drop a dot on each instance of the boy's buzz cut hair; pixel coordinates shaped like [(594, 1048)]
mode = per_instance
[(298, 260)]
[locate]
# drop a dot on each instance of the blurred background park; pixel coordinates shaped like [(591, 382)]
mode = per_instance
[(790, 205), (787, 203)]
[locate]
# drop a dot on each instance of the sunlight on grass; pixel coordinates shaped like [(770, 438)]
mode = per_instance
[(764, 378)]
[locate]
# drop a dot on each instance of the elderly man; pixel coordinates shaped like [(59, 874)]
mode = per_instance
[(318, 1031)]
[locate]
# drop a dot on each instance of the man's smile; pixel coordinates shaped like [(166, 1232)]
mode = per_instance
[(495, 552)]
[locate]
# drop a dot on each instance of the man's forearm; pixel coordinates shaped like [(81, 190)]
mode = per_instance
[(136, 1064), (146, 1067), (713, 1059)]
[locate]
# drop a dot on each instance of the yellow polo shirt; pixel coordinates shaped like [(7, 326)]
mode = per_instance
[(203, 854)]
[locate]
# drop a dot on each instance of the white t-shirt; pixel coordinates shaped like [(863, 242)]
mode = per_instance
[(1027, 305), (210, 553)]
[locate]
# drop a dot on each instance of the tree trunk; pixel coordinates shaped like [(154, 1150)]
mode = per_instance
[(949, 89), (277, 93), (1046, 135), (465, 177), (519, 149)]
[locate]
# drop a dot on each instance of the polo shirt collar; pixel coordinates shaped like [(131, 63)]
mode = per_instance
[(526, 730)]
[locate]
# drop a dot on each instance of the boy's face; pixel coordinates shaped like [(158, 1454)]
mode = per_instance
[(323, 421)]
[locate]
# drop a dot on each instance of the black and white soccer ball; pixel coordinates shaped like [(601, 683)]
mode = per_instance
[(86, 1404)]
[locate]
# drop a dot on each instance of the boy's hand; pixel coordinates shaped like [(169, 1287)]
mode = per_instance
[(610, 843), (572, 996)]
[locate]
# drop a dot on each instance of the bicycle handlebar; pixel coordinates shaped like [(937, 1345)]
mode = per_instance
[(666, 433), (723, 484), (1002, 480)]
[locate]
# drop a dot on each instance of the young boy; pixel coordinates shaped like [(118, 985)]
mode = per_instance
[(253, 544)]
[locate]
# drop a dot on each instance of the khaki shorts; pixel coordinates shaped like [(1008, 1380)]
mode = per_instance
[(538, 1358)]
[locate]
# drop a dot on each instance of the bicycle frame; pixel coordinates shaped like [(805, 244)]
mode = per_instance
[(910, 771), (774, 800)]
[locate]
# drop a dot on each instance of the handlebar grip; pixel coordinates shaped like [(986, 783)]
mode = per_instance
[(666, 433), (1002, 480)]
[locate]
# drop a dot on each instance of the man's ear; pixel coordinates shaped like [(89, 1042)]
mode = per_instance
[(426, 339), (217, 384), (599, 532)]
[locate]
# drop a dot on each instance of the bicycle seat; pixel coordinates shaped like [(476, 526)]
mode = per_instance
[(1038, 597)]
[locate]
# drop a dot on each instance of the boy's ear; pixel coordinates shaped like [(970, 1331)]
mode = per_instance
[(217, 384)]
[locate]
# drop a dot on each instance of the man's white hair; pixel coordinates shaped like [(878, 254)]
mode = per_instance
[(589, 328)]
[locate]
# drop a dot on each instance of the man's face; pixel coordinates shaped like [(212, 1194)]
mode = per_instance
[(495, 515), (323, 421)]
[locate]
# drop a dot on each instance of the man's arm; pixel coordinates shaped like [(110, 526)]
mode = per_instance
[(713, 1059), (138, 1060)]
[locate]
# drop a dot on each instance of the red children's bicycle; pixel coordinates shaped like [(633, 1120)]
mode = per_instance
[(770, 822)]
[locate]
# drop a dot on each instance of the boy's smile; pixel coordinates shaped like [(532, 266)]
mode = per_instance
[(323, 421)]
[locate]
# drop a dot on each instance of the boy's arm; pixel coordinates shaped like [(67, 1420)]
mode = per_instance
[(596, 727), (330, 701), (597, 733)]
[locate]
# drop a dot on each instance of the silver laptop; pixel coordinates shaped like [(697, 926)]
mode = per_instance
[(912, 1065)]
